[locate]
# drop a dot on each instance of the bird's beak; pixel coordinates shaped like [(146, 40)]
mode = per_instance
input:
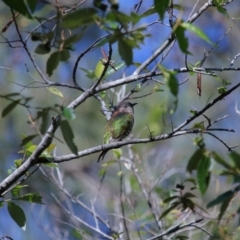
[(133, 104)]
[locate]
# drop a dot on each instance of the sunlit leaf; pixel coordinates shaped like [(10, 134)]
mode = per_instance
[(103, 94), (32, 148), (117, 152), (55, 91), (99, 68), (18, 162), (68, 113)]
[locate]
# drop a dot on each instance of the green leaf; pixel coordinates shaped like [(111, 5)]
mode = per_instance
[(203, 174), (31, 4), (18, 162), (17, 215), (172, 84), (222, 10), (52, 63), (64, 55), (45, 120), (224, 207), (80, 17), (117, 152), (169, 199), (194, 160), (117, 66), (149, 12), (99, 69), (164, 213), (170, 79), (196, 30), (32, 198), (10, 95), (191, 180), (102, 172), (161, 7), (43, 48), (9, 108), (68, 136), (28, 151), (103, 94), (53, 165), (125, 52), (182, 40), (16, 190), (178, 7), (220, 160), (55, 91), (235, 158), (19, 6), (189, 195), (72, 39), (27, 139), (76, 234), (28, 144), (221, 198), (68, 113), (90, 74), (45, 38)]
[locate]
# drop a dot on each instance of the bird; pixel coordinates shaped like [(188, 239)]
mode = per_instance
[(119, 126)]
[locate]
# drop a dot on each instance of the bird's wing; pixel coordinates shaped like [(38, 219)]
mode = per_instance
[(120, 124)]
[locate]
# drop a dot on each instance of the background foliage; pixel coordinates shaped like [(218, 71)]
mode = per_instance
[(178, 175)]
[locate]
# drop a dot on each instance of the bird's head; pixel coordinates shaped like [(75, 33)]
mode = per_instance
[(126, 107)]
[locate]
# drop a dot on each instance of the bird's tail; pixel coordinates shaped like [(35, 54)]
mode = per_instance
[(102, 155)]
